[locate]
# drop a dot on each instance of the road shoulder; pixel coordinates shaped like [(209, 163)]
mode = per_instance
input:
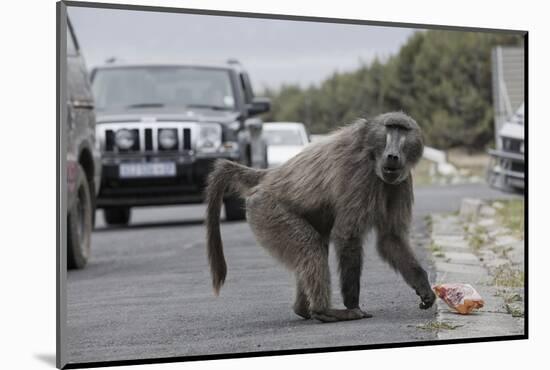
[(475, 247)]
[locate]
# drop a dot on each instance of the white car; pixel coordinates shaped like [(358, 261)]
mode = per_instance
[(284, 140)]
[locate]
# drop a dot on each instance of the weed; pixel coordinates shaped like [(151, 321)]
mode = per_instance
[(477, 238), (429, 222), (505, 275), (435, 248), (514, 310), (438, 325), (509, 297), (511, 215)]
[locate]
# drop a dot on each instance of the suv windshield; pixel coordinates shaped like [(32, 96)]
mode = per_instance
[(146, 87)]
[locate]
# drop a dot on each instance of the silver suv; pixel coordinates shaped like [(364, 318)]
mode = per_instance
[(160, 127), (83, 157)]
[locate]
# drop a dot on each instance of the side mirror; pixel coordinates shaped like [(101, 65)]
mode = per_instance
[(258, 106)]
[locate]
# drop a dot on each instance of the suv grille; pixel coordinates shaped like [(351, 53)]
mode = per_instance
[(511, 145), (518, 166), (187, 139), (146, 138)]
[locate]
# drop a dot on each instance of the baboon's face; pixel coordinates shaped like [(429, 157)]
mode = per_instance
[(398, 147)]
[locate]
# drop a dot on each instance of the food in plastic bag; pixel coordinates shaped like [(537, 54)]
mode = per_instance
[(463, 298)]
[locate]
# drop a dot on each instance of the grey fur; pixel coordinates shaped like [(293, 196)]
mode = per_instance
[(356, 180)]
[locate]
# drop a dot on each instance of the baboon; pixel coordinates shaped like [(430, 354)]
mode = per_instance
[(357, 179)]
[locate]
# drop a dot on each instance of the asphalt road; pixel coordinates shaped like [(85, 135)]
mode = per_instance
[(146, 292)]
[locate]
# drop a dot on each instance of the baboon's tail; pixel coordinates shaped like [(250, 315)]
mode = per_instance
[(226, 178)]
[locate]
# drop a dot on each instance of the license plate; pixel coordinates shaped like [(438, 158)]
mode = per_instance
[(160, 169)]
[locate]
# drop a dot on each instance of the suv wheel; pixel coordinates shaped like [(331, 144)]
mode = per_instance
[(119, 216), (79, 224), (234, 209)]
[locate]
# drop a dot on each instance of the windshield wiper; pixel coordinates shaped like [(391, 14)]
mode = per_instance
[(209, 106), (145, 105)]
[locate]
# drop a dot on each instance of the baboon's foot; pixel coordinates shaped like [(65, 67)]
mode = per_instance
[(365, 314), (333, 315), (302, 310)]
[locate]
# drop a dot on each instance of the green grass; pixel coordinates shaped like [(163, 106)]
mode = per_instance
[(507, 276), (512, 216), (436, 250), (502, 251), (477, 238), (429, 222)]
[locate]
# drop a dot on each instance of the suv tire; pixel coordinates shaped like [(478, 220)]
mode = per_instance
[(234, 209), (79, 224), (118, 216)]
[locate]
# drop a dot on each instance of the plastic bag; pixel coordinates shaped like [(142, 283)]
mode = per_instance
[(463, 298)]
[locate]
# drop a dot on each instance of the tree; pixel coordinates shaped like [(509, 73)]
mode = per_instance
[(441, 78)]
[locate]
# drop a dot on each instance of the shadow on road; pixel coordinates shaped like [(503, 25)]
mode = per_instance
[(161, 224)]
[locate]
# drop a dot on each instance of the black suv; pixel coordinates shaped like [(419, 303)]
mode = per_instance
[(160, 127)]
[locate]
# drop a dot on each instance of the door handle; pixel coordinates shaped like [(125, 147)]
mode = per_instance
[(82, 104)]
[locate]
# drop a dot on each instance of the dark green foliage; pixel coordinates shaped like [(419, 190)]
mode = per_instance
[(441, 78)]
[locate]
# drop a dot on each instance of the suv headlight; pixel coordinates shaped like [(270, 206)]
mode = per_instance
[(125, 139), (210, 137), (168, 138)]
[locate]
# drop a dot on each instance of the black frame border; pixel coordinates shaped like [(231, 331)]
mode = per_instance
[(61, 191), (61, 185)]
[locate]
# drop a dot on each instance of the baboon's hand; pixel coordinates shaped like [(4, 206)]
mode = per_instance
[(428, 299)]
